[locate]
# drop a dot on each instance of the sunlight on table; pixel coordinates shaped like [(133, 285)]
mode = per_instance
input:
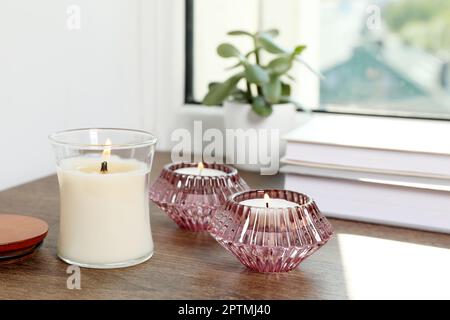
[(384, 269)]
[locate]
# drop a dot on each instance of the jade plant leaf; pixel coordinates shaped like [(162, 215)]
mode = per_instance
[(280, 65), (272, 90), (256, 74), (240, 33), (220, 91), (261, 107), (227, 50), (298, 50), (267, 42)]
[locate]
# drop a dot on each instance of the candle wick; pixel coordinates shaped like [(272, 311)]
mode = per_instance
[(104, 167), (267, 205)]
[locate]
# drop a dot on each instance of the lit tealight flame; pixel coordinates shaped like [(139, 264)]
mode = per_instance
[(106, 154), (107, 151), (267, 199), (200, 167)]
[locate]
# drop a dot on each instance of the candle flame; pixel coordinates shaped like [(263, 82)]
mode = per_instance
[(107, 151), (267, 199), (200, 166)]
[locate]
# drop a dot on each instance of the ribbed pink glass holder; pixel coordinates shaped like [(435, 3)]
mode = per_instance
[(190, 200), (270, 239)]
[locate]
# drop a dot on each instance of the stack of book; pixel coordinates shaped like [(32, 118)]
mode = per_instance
[(382, 170)]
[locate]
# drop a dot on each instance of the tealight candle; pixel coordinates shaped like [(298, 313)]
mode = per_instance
[(268, 202), (191, 192), (104, 213), (200, 170), (270, 234)]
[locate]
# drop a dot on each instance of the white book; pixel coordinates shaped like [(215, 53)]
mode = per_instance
[(396, 146), (414, 202)]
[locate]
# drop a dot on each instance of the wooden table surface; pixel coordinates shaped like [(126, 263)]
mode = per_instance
[(361, 261)]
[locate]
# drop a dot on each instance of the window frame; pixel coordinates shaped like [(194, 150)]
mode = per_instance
[(323, 109), (189, 54)]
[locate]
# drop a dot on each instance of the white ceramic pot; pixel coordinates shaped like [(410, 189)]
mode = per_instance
[(260, 146)]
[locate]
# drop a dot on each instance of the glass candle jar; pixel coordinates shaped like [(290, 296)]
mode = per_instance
[(103, 177)]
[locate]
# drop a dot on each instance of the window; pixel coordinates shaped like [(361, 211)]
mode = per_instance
[(382, 57)]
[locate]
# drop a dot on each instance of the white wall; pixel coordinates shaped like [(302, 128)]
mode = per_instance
[(52, 78)]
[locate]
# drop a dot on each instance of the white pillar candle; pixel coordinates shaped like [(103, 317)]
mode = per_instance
[(269, 203), (200, 170), (104, 216)]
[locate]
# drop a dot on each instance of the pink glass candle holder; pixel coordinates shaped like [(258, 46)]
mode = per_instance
[(270, 235), (191, 199)]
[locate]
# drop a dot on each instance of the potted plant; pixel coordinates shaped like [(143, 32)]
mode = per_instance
[(258, 95)]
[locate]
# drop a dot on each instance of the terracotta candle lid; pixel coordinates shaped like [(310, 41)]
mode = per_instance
[(20, 235)]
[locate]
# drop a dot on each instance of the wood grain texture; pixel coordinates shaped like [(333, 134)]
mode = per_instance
[(361, 261)]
